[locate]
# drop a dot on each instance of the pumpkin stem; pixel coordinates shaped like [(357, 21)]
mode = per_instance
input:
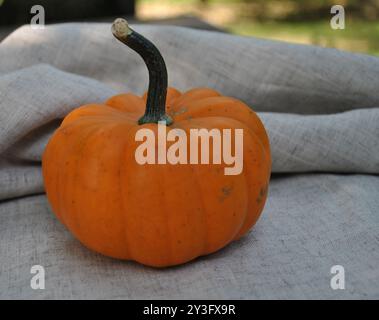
[(156, 94)]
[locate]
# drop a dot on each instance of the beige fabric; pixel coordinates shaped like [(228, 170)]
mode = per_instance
[(320, 107)]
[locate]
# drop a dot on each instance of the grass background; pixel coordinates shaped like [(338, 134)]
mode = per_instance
[(299, 21)]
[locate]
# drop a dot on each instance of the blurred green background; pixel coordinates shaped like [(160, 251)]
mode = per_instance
[(300, 21)]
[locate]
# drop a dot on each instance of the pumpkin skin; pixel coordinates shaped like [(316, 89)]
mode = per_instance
[(156, 214)]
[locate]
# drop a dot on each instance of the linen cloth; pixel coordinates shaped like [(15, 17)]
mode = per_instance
[(320, 108)]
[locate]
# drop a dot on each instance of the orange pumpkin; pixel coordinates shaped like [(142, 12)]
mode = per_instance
[(158, 215)]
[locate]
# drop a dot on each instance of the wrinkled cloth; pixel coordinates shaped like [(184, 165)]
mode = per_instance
[(319, 106)]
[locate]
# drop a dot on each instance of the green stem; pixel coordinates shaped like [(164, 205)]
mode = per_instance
[(156, 94)]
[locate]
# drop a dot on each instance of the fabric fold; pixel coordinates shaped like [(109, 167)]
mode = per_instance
[(269, 76), (346, 142)]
